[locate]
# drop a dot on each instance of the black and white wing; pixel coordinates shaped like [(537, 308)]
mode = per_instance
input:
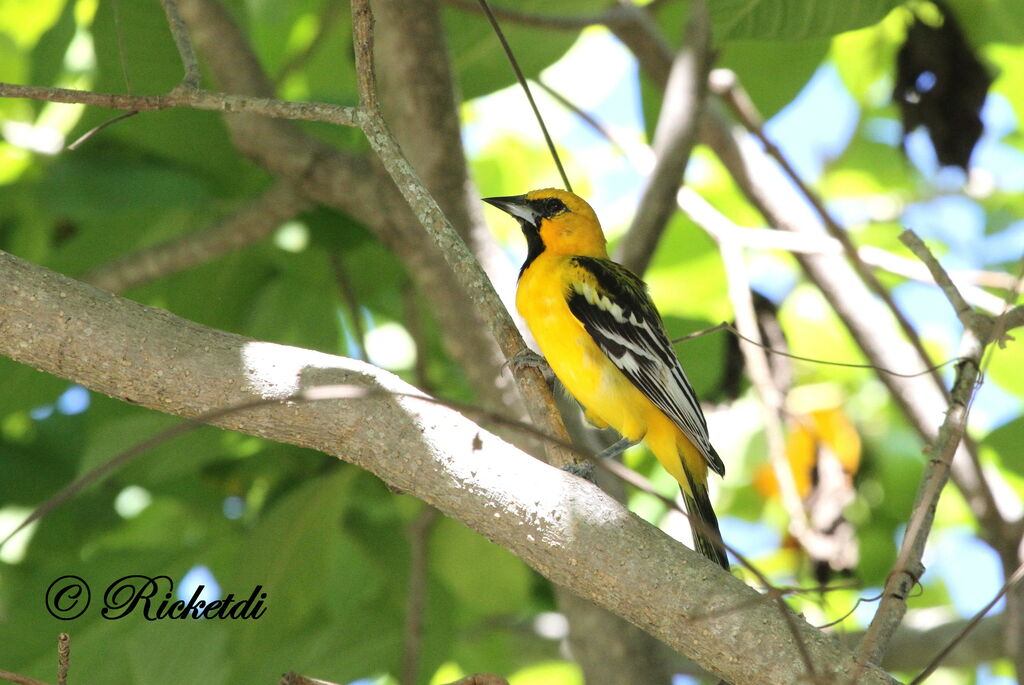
[(615, 309)]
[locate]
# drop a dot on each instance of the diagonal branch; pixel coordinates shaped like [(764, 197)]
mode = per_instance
[(908, 568), (464, 266), (179, 33), (725, 84), (247, 226), (674, 138)]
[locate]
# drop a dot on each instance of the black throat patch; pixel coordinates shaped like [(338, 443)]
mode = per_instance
[(534, 244)]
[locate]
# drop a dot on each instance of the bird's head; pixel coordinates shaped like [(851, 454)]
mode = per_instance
[(556, 221)]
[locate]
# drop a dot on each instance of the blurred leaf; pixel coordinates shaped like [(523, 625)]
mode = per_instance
[(703, 358), (190, 652), (1006, 366), (298, 307), (792, 19), (1005, 441), (26, 21), (151, 65), (289, 552), (478, 58), (485, 578), (186, 453), (562, 672), (772, 72), (47, 59), (814, 330)]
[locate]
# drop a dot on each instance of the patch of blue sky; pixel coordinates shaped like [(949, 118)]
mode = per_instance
[(771, 277), (74, 400), (750, 538), (949, 553), (1003, 246), (957, 221), (196, 578), (1005, 162), (598, 75), (929, 312), (987, 677), (41, 412), (817, 125)]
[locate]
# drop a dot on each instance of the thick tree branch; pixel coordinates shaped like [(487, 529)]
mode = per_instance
[(564, 527)]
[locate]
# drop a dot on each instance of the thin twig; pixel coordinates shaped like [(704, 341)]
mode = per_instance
[(559, 22), (725, 84), (416, 600), (825, 362), (20, 679), (526, 89), (481, 679), (639, 155), (966, 280), (293, 678), (182, 41), (937, 660), (942, 279), (760, 374), (96, 129), (63, 658), (195, 99), (907, 569)]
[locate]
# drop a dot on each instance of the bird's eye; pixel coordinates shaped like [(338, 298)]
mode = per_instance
[(552, 206)]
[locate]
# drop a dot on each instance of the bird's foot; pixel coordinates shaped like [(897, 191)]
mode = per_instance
[(528, 359), (584, 469)]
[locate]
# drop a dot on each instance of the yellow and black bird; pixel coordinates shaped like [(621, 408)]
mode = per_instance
[(604, 339)]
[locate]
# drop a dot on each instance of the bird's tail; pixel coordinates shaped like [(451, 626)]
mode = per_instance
[(707, 538)]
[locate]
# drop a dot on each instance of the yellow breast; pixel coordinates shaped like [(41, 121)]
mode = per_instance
[(585, 371)]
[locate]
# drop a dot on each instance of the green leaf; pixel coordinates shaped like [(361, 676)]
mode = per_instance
[(183, 454), (289, 552), (299, 306), (135, 54), (1007, 365), (792, 19), (477, 55), (191, 651), (1006, 442), (773, 73), (459, 555), (47, 59)]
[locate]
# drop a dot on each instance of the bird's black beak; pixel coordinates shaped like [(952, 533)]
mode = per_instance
[(518, 206)]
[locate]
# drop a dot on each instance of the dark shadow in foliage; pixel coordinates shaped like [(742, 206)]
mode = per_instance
[(941, 84)]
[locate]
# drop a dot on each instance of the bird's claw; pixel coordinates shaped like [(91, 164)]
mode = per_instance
[(584, 469), (528, 359)]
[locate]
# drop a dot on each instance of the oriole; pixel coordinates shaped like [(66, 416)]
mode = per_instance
[(605, 341)]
